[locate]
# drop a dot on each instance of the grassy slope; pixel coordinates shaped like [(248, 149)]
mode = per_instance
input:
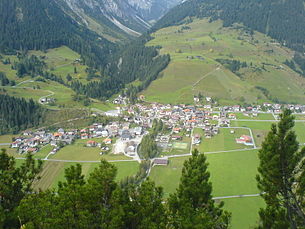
[(54, 172), (61, 62), (176, 82)]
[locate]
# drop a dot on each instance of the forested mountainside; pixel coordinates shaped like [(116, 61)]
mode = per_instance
[(113, 19), (281, 19), (41, 24), (18, 114)]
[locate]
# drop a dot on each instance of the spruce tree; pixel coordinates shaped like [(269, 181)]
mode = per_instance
[(15, 183), (192, 206), (281, 177)]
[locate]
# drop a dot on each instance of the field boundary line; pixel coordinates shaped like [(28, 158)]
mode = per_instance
[(236, 196)]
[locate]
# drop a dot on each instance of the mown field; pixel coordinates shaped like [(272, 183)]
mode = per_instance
[(232, 173), (193, 67), (80, 152), (222, 141), (261, 128), (53, 172)]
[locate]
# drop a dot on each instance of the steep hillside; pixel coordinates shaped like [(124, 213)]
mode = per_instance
[(281, 19), (230, 64), (110, 18), (152, 10), (42, 24)]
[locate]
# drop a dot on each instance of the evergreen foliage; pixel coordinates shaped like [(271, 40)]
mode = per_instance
[(192, 205), (281, 177), (18, 114), (15, 184)]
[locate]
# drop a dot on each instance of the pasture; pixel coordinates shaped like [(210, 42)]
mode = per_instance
[(223, 141), (54, 172), (194, 67), (232, 173), (80, 152)]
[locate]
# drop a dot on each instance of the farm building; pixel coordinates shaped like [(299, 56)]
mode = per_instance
[(161, 161)]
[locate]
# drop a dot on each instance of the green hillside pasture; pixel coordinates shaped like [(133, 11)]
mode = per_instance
[(61, 62), (210, 41), (43, 152), (222, 141), (27, 93), (79, 152), (244, 211), (54, 172)]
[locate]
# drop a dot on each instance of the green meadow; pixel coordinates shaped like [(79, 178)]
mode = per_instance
[(54, 172), (223, 141), (78, 151), (232, 173), (193, 67)]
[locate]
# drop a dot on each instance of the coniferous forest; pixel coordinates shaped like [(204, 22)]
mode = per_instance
[(18, 114)]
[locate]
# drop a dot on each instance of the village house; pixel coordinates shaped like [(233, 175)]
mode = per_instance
[(107, 141), (244, 139), (91, 143)]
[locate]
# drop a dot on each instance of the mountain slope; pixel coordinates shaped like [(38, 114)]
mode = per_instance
[(115, 15), (41, 24), (230, 64), (152, 10), (281, 19)]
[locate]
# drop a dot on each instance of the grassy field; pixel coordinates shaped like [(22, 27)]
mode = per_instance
[(7, 138), (43, 152), (261, 116), (54, 172), (61, 62), (232, 173), (246, 216), (193, 67), (260, 129), (222, 141), (79, 152)]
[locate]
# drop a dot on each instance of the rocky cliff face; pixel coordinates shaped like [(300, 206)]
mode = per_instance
[(130, 16), (152, 10)]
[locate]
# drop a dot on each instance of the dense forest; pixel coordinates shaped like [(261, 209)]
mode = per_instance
[(282, 20), (18, 114), (133, 62)]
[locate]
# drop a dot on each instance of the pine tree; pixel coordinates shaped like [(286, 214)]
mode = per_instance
[(15, 183), (192, 206), (281, 177)]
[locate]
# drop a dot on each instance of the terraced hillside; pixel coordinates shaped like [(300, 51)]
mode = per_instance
[(231, 64)]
